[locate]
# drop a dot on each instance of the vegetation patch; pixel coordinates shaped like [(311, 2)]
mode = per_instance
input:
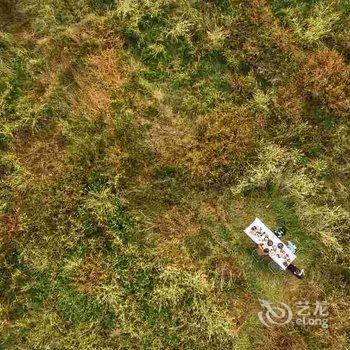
[(138, 139)]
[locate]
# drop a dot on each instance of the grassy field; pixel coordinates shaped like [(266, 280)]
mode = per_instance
[(138, 138)]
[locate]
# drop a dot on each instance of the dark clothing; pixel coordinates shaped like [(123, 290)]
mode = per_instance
[(295, 271), (279, 231)]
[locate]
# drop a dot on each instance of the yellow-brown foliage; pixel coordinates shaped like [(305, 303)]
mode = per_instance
[(42, 156), (90, 275), (9, 228), (288, 98), (103, 74), (222, 137), (215, 142), (326, 78), (102, 70)]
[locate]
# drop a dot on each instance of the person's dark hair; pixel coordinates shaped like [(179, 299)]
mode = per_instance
[(266, 250), (269, 243), (280, 231), (280, 245)]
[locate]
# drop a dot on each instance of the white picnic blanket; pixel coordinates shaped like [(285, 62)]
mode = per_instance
[(278, 251)]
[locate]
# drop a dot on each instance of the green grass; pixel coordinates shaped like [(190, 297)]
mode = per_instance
[(138, 139)]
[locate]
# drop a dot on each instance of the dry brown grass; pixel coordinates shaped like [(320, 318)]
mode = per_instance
[(173, 226), (288, 98), (326, 78), (96, 83), (214, 210), (222, 136), (227, 272), (282, 338), (174, 222), (90, 275), (9, 228), (43, 156), (261, 16), (102, 72), (215, 142), (6, 13)]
